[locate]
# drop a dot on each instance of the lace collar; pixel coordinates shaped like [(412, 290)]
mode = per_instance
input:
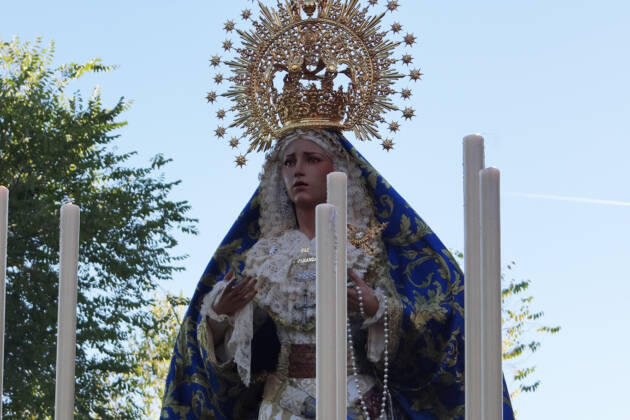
[(285, 269)]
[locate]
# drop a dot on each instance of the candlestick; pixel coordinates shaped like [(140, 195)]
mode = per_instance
[(491, 380), (473, 163), (325, 371), (338, 196), (4, 225), (67, 312)]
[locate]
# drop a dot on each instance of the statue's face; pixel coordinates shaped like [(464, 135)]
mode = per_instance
[(304, 169)]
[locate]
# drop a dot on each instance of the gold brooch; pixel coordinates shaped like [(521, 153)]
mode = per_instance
[(288, 72), (365, 238)]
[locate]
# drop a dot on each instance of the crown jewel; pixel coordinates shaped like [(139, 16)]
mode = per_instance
[(312, 63)]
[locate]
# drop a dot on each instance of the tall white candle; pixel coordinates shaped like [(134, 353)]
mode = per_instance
[(491, 383), (473, 163), (326, 389), (338, 196), (67, 312), (4, 224)]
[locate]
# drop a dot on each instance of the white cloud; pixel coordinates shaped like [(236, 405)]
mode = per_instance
[(572, 199)]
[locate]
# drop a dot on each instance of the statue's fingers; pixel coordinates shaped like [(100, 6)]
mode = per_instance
[(249, 280), (358, 280), (247, 286), (352, 274), (226, 298), (252, 285), (245, 299), (243, 294), (242, 285), (231, 284), (250, 296)]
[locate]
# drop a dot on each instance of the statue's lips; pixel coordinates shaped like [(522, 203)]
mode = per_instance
[(299, 184)]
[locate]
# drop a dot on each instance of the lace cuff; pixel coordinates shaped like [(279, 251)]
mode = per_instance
[(221, 326), (208, 310), (380, 297), (376, 329)]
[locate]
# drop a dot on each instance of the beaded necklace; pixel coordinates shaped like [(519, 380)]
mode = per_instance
[(386, 358)]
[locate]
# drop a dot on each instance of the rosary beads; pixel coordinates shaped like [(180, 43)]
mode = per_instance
[(385, 358)]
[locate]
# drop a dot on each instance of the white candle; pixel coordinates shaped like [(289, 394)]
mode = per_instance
[(326, 390), (67, 312), (473, 163), (338, 196), (491, 382), (4, 224)]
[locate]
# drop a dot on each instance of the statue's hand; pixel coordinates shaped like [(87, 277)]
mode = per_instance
[(370, 303), (235, 296)]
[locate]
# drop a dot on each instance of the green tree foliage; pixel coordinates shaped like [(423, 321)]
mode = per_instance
[(54, 145), (522, 329), (152, 351)]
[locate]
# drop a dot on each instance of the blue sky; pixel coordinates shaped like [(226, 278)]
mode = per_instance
[(546, 83)]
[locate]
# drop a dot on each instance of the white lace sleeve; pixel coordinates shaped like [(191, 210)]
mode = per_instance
[(376, 329), (237, 332), (220, 325)]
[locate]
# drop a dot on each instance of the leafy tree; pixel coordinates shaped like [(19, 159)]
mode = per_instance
[(521, 327), (152, 351), (55, 145)]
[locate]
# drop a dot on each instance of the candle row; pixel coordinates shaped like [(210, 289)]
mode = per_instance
[(482, 291), (67, 305)]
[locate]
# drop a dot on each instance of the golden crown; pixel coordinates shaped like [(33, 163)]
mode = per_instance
[(291, 66)]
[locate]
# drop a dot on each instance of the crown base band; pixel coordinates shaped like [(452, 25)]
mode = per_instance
[(310, 123)]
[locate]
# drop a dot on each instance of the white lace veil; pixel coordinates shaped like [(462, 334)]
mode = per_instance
[(276, 210)]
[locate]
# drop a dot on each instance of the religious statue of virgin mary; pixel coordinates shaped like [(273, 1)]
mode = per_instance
[(246, 347)]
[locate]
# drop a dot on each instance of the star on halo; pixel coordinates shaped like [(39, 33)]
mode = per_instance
[(394, 126), (410, 39), (388, 144), (415, 74), (234, 142), (227, 45), (215, 60), (220, 132), (396, 27), (240, 160), (405, 93), (229, 26), (392, 5), (211, 97), (409, 113), (407, 59), (246, 14), (221, 114)]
